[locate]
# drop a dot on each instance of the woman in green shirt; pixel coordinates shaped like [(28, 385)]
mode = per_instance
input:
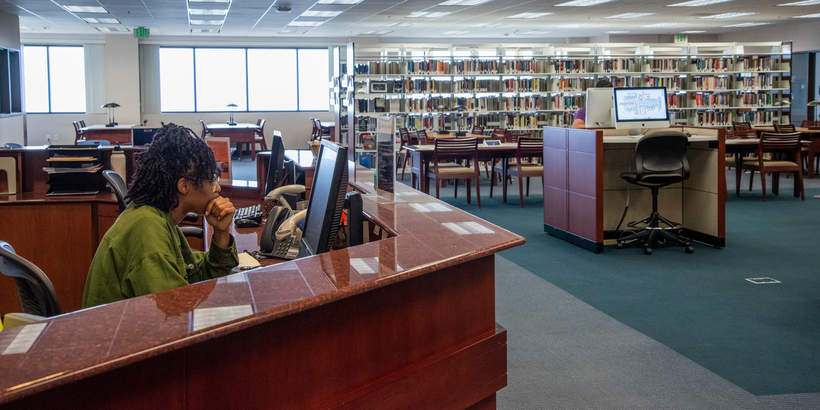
[(144, 251)]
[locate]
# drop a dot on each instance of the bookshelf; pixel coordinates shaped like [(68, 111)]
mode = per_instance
[(526, 87)]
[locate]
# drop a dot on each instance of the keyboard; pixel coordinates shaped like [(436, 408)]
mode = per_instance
[(249, 213)]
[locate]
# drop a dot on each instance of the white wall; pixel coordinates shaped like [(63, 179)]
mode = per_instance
[(804, 36), (11, 127), (122, 77)]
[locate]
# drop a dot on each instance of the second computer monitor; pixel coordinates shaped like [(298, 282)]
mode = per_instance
[(640, 107), (276, 165), (599, 108), (327, 197)]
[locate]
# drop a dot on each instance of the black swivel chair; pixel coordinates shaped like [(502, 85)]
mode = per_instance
[(660, 160), (37, 296), (117, 184)]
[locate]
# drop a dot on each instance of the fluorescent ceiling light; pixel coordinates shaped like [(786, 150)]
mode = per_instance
[(455, 32), (487, 25), (808, 16), (802, 3), (630, 15), (207, 12), (207, 22), (698, 3), (693, 31), (463, 2), (746, 24), (91, 20), (733, 15), (429, 14), (528, 15), (112, 29), (617, 32), (204, 30), (85, 9), (665, 24), (340, 1), (209, 1), (533, 33), (316, 13), (583, 3), (306, 23), (108, 20)]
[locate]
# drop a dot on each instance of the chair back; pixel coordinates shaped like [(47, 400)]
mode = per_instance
[(117, 184), (477, 129), (404, 136), (741, 126), (77, 132), (741, 133), (662, 152), (499, 134), (204, 129), (260, 127), (82, 123), (455, 148), (810, 124), (422, 136), (37, 295), (780, 142), (529, 147), (316, 133), (781, 128)]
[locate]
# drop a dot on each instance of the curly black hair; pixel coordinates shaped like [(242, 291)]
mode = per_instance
[(175, 153)]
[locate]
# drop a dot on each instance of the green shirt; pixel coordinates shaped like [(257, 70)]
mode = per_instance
[(145, 252)]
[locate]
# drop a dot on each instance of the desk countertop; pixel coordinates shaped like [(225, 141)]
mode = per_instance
[(430, 235), (31, 198), (226, 126), (629, 139)]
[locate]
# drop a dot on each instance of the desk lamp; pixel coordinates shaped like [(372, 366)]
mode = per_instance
[(230, 119), (110, 107)]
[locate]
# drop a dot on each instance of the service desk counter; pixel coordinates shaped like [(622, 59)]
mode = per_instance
[(407, 321), (584, 195)]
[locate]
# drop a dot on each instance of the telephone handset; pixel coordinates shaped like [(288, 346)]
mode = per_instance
[(281, 237)]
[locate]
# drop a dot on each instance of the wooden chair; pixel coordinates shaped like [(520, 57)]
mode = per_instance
[(811, 149), (810, 124), (782, 128), (741, 126), (78, 133), (477, 129), (82, 123), (785, 147), (421, 135), (525, 166), (401, 155), (259, 135), (316, 133), (456, 149), (205, 130), (731, 158), (497, 134)]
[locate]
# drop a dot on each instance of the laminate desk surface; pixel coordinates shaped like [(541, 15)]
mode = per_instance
[(430, 235), (797, 129), (504, 146), (450, 135)]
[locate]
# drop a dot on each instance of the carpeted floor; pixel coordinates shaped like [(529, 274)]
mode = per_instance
[(763, 338)]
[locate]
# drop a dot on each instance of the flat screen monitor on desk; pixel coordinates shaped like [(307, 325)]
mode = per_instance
[(637, 108), (327, 197), (276, 165), (142, 136), (599, 108)]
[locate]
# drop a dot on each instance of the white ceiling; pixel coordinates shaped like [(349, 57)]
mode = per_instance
[(390, 18)]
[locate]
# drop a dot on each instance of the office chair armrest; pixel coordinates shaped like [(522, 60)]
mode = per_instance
[(193, 231), (19, 319), (190, 217)]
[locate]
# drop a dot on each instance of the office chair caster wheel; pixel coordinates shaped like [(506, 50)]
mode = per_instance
[(647, 251), (619, 245), (689, 249)]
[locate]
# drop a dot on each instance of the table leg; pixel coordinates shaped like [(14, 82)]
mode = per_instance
[(738, 171), (504, 164)]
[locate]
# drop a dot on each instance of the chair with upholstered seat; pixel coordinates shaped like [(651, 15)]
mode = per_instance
[(525, 165), (456, 149), (259, 135), (660, 160), (38, 299), (785, 154), (782, 128)]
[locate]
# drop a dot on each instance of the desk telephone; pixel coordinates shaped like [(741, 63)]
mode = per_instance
[(281, 236)]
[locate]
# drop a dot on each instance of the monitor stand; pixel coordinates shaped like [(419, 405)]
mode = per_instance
[(634, 132)]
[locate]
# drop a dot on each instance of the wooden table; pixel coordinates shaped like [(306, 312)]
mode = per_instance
[(402, 322), (447, 135), (423, 154), (241, 133), (118, 134), (739, 147)]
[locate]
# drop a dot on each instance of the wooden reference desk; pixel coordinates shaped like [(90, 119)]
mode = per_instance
[(118, 134), (584, 196), (241, 133), (59, 234), (402, 322)]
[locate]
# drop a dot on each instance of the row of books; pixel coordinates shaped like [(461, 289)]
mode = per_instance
[(726, 118)]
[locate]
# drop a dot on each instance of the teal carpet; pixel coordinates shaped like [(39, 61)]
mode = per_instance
[(763, 338)]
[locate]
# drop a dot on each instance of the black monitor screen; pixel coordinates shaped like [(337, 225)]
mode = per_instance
[(276, 165), (327, 197), (143, 136)]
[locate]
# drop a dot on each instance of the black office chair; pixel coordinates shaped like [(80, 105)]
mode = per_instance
[(117, 185), (660, 160), (37, 296)]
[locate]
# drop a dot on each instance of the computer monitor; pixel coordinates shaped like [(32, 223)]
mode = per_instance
[(276, 165), (142, 136), (640, 108), (327, 198), (599, 108)]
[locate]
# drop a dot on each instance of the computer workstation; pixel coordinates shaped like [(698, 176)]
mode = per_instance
[(585, 195)]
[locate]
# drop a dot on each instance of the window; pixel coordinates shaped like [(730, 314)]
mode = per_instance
[(255, 79), (54, 79)]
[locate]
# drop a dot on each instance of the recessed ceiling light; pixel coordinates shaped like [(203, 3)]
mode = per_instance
[(617, 32), (316, 13), (693, 31), (746, 24), (698, 3), (429, 14), (733, 15), (207, 12), (111, 29), (801, 3), (85, 9), (665, 24), (209, 1), (487, 25), (204, 30), (533, 33), (582, 3), (463, 2), (304, 23), (108, 20), (630, 15), (455, 32), (340, 1), (528, 15), (91, 20), (808, 16), (207, 22)]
